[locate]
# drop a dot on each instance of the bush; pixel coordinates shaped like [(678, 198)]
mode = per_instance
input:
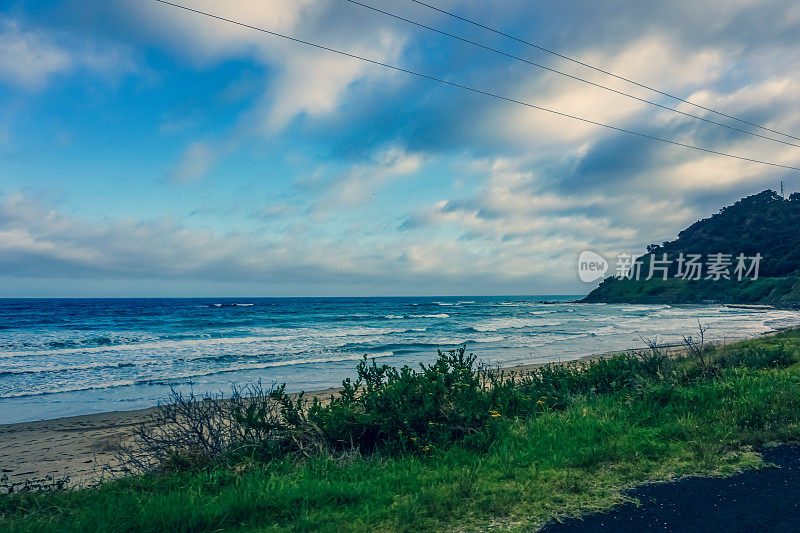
[(190, 431), (401, 410)]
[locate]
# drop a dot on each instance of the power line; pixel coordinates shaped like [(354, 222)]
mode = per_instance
[(598, 69), (471, 89), (577, 78)]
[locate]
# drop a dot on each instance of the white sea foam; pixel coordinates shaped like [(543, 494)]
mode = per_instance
[(605, 330), (488, 339), (497, 324), (205, 342), (61, 368), (172, 377), (97, 386)]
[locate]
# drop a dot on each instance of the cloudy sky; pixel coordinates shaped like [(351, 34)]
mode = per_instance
[(148, 151)]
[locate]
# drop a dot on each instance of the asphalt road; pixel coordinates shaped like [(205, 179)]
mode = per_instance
[(761, 500)]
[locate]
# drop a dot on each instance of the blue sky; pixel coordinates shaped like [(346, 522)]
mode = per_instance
[(147, 151)]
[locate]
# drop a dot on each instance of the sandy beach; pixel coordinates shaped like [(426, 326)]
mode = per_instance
[(82, 447)]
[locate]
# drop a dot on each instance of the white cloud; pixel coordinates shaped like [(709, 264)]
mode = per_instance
[(211, 40), (30, 57), (37, 240), (654, 60), (514, 226), (314, 82), (309, 81), (303, 81), (195, 162), (363, 180)]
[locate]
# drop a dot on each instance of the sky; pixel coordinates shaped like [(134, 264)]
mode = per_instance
[(149, 151)]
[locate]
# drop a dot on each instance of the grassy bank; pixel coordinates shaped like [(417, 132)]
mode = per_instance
[(448, 448)]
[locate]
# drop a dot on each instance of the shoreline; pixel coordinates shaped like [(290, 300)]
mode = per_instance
[(79, 446)]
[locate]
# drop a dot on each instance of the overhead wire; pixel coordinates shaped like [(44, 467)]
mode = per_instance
[(561, 73), (472, 89), (598, 69)]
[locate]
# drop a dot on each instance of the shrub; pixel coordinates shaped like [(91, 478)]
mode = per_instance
[(190, 431), (402, 410)]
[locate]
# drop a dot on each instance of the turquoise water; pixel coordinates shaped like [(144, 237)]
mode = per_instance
[(77, 356)]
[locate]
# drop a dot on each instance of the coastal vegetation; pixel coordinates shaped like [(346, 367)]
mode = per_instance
[(765, 224), (452, 445)]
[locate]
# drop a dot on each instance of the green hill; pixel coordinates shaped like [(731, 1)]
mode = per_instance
[(764, 223)]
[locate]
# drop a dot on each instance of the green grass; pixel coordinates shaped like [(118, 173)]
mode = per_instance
[(574, 457)]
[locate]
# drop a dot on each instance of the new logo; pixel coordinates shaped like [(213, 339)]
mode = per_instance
[(591, 266)]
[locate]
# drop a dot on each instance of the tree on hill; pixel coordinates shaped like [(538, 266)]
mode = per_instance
[(762, 223)]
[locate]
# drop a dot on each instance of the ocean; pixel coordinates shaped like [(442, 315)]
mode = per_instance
[(63, 357)]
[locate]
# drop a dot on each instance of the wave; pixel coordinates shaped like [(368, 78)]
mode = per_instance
[(604, 330), (259, 366), (488, 339), (498, 324), (166, 380), (432, 315), (104, 385), (152, 345), (93, 341), (66, 368), (203, 341)]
